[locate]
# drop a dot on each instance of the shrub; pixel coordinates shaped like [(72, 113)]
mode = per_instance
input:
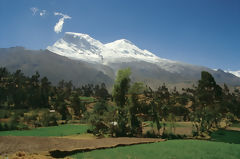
[(3, 126), (21, 126), (151, 134), (30, 117), (5, 114), (172, 136), (49, 119)]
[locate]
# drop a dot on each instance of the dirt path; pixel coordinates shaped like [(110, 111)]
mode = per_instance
[(61, 147)]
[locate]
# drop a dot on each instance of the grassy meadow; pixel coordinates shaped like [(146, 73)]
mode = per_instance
[(172, 149), (225, 144), (61, 130)]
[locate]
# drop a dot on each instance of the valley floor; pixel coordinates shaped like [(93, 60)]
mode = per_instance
[(64, 141)]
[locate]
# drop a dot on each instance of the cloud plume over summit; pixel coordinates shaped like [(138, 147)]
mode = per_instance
[(59, 25)]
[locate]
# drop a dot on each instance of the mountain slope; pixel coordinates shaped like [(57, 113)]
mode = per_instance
[(53, 66)]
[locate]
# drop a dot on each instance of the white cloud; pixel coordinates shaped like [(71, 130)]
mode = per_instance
[(42, 13), (34, 10), (59, 25)]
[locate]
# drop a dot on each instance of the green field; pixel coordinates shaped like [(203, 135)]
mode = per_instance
[(87, 99), (61, 130), (227, 136), (172, 149), (225, 146)]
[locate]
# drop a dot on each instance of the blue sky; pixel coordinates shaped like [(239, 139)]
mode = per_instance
[(201, 32)]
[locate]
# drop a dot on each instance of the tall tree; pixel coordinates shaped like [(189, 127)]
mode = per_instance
[(45, 89), (77, 106), (120, 90), (135, 108), (207, 103)]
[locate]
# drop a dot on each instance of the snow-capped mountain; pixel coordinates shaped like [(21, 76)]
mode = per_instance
[(84, 60), (83, 47), (146, 66)]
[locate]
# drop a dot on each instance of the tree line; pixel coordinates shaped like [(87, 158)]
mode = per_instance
[(205, 105), (20, 94), (122, 112)]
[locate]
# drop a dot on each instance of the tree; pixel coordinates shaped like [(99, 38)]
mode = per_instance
[(77, 106), (45, 89), (207, 103), (101, 91), (100, 107), (4, 74), (135, 109), (152, 111), (103, 119), (163, 104), (120, 90), (17, 89), (34, 99), (61, 106)]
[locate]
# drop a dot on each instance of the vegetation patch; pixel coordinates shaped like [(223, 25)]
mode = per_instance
[(228, 136), (236, 125), (61, 130)]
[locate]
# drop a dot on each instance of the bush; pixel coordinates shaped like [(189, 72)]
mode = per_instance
[(231, 117), (3, 127), (21, 126), (151, 134), (11, 125), (99, 126), (49, 119), (4, 114), (172, 136), (19, 112), (30, 116)]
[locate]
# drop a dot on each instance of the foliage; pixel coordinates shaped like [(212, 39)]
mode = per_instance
[(18, 91), (77, 106), (210, 105), (120, 90), (103, 119), (48, 119)]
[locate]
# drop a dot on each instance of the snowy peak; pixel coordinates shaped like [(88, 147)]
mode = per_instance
[(80, 46), (125, 47), (80, 39), (122, 42)]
